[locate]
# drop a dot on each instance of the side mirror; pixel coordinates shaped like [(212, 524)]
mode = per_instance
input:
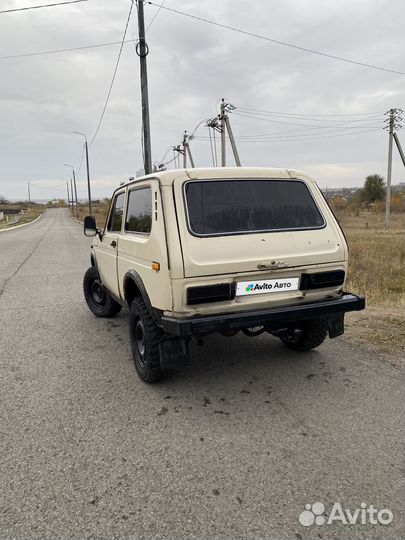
[(90, 228)]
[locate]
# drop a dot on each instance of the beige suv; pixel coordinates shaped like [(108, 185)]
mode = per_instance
[(192, 252)]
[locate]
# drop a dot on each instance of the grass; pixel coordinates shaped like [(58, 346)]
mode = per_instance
[(376, 258), (99, 212), (31, 214)]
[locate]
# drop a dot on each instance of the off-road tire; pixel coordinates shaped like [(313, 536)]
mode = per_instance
[(313, 334), (98, 299), (145, 335)]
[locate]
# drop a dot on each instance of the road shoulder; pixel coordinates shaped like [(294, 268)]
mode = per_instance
[(380, 329)]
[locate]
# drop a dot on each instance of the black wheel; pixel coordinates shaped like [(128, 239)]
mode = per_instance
[(145, 336), (313, 333), (97, 297)]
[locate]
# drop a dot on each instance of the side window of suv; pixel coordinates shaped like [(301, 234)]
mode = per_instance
[(115, 221), (139, 213)]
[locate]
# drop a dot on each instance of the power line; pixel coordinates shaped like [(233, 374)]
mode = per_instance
[(154, 17), (114, 74), (325, 122), (272, 120), (323, 119), (301, 114), (108, 44), (42, 6), (292, 139), (303, 132), (293, 134), (318, 129), (265, 38), (171, 160), (309, 127), (165, 155), (196, 127), (55, 51), (81, 159)]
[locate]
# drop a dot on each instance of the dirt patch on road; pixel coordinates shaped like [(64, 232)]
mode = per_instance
[(379, 328)]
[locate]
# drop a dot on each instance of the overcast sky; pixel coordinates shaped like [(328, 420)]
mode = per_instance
[(191, 65)]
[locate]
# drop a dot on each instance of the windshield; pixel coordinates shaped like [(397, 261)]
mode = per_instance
[(223, 207)]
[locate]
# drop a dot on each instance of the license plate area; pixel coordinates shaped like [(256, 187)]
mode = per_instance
[(267, 286)]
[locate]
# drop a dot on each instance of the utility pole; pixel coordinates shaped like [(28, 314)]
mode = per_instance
[(142, 51), (190, 156), (231, 138), (71, 194), (67, 190), (393, 123), (186, 151), (177, 151), (29, 194), (223, 125), (74, 183), (213, 124), (88, 176), (86, 147), (223, 134)]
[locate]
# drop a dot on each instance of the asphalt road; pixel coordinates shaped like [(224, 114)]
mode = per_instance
[(232, 447)]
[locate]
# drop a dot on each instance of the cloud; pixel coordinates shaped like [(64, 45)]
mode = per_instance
[(192, 64)]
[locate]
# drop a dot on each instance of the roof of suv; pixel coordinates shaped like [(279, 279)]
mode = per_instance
[(167, 177)]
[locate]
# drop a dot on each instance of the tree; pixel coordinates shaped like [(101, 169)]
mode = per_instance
[(374, 189), (3, 200)]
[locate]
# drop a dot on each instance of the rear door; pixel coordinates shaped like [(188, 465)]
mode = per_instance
[(107, 248), (246, 225)]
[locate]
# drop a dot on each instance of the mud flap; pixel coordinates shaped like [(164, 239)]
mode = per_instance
[(174, 352), (336, 325)]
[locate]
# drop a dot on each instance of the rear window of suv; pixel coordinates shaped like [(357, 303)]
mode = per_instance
[(220, 207)]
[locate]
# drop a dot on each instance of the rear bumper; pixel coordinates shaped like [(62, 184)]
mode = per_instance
[(271, 317)]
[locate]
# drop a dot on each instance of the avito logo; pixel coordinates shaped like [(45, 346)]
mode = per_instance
[(267, 286), (257, 287), (315, 514)]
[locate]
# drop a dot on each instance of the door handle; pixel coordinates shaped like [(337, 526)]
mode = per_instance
[(113, 244), (272, 266)]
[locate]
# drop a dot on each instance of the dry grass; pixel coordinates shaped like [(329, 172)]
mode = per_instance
[(378, 328), (99, 211), (31, 214), (376, 258)]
